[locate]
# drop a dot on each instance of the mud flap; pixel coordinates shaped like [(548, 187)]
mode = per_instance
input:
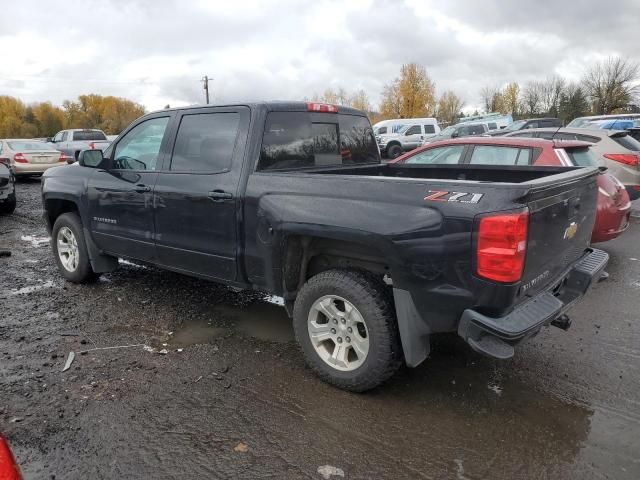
[(414, 332), (100, 263)]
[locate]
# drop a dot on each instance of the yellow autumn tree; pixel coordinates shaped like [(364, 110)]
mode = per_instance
[(410, 95), (511, 98), (449, 107)]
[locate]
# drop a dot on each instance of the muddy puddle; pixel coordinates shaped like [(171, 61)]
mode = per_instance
[(262, 320)]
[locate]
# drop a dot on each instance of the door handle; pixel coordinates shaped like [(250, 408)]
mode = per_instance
[(220, 196), (140, 188)]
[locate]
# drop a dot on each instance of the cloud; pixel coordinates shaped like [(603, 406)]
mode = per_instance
[(156, 52)]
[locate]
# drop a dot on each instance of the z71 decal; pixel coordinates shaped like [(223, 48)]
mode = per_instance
[(461, 197)]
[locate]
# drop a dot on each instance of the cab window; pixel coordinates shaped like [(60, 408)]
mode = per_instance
[(413, 130), (205, 142), (139, 148)]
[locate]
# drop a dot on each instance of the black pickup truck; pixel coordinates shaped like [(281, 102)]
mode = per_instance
[(371, 259)]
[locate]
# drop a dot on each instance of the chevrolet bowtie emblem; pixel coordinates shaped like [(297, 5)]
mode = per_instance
[(570, 231)]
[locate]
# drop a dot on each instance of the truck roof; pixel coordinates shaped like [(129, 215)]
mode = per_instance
[(270, 106)]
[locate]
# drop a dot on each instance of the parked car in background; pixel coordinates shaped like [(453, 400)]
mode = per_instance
[(615, 149), (395, 137), (615, 124), (370, 258), (7, 187), (72, 142), (583, 122), (526, 124), (458, 130), (614, 206), (30, 157), (494, 121)]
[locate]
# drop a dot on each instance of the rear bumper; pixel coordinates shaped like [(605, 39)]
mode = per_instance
[(34, 168), (496, 337)]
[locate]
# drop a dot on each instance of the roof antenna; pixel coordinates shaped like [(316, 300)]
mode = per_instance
[(553, 137)]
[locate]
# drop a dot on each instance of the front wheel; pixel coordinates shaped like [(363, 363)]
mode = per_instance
[(70, 249), (394, 151), (345, 324)]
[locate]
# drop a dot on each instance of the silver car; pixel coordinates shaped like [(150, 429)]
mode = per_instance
[(30, 157), (616, 150)]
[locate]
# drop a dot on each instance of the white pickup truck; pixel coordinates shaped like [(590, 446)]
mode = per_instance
[(72, 142)]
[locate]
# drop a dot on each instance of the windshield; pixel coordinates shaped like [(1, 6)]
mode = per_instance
[(29, 146), (447, 131), (578, 122), (515, 126)]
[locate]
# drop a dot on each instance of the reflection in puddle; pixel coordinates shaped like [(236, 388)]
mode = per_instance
[(264, 321)]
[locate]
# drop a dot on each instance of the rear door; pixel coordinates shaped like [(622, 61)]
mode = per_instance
[(120, 197), (197, 194)]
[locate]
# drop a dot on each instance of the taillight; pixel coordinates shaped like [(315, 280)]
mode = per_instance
[(502, 244), (19, 158), (64, 158), (322, 108), (626, 158), (5, 161), (8, 468)]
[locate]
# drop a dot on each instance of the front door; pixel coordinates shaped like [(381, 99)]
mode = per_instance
[(121, 196), (196, 195), (413, 137)]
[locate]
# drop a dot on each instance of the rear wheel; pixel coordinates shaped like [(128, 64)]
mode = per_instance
[(394, 151), (344, 322), (70, 250), (9, 205)]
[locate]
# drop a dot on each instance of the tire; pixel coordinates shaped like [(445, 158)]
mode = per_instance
[(71, 227), (394, 151), (373, 305), (8, 206)]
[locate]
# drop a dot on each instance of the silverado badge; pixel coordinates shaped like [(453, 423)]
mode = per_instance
[(570, 231)]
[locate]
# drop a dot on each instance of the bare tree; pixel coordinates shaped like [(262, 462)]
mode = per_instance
[(551, 90), (489, 96), (612, 84), (532, 97)]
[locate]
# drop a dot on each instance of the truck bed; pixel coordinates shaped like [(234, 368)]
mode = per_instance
[(476, 173)]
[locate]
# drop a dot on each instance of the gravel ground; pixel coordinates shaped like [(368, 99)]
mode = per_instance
[(231, 398)]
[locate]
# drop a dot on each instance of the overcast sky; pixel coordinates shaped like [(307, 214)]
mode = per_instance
[(156, 51)]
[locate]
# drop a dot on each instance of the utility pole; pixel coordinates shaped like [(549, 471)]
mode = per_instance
[(205, 81)]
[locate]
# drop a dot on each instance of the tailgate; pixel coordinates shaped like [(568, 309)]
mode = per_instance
[(561, 218)]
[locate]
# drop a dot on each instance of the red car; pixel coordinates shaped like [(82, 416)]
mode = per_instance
[(8, 467), (614, 206)]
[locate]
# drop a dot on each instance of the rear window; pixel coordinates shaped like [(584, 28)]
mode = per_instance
[(25, 146), (627, 142), (301, 140), (588, 138), (581, 157), (89, 135)]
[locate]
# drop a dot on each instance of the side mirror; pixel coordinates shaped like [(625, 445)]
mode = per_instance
[(90, 158), (50, 140), (455, 134)]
